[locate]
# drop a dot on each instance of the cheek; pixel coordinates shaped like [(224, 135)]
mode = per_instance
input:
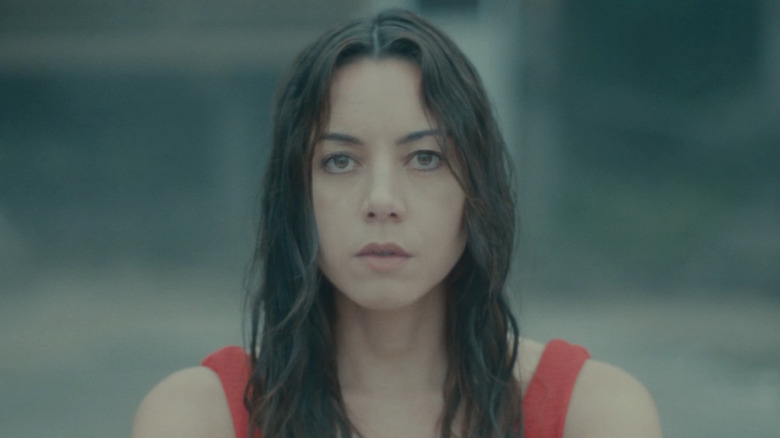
[(460, 213), (462, 228), (329, 216), (322, 218), (447, 218)]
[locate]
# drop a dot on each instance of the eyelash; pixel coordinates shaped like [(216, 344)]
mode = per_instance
[(328, 161), (436, 159)]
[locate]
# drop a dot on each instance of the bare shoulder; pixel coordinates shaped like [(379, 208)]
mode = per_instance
[(609, 402), (189, 403), (529, 354)]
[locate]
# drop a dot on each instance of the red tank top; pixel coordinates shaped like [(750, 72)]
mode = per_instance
[(545, 401)]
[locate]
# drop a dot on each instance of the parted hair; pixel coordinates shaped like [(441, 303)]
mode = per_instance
[(294, 390)]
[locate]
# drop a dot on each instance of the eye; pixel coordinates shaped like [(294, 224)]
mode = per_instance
[(425, 160), (338, 163)]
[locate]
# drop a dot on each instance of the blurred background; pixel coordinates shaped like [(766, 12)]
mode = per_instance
[(646, 137)]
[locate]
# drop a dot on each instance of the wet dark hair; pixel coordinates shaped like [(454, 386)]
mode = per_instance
[(294, 389)]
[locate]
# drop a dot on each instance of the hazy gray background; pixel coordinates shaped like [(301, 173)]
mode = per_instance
[(133, 138)]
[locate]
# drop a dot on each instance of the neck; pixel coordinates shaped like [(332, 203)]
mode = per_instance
[(391, 351)]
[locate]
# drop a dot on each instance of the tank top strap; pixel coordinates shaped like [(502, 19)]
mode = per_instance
[(545, 402), (547, 397), (232, 366)]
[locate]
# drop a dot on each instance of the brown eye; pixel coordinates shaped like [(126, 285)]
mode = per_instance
[(425, 160), (338, 163)]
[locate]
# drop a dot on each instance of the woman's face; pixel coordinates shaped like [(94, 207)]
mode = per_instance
[(388, 209)]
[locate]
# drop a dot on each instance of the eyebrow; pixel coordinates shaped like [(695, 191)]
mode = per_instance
[(408, 138)]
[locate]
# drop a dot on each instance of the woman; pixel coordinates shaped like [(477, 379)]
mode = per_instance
[(385, 240)]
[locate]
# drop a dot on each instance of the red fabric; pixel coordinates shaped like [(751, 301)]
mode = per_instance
[(232, 366), (545, 402), (546, 399)]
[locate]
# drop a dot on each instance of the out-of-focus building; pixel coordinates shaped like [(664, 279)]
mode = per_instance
[(140, 129), (644, 133)]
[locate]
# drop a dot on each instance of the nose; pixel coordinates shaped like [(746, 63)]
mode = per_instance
[(383, 198)]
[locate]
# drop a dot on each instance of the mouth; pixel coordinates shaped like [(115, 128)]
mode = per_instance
[(383, 250), (384, 257)]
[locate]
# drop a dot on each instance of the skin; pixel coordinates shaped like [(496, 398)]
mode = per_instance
[(370, 184), (379, 176)]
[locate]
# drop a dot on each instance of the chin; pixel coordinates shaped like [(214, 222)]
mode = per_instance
[(380, 300)]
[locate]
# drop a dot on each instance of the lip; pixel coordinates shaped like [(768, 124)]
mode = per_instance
[(383, 249), (383, 257)]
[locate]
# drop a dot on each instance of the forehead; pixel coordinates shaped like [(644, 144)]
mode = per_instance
[(385, 93)]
